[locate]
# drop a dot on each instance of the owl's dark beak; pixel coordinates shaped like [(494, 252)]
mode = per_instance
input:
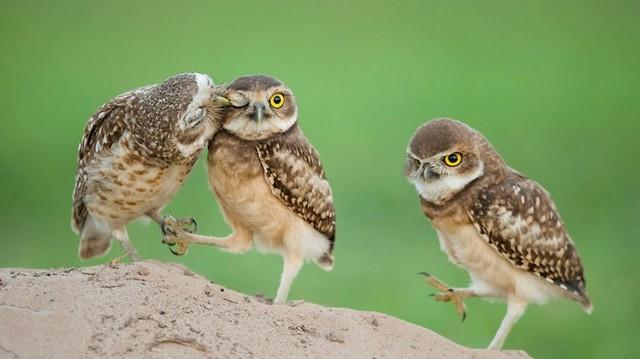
[(258, 112), (430, 173)]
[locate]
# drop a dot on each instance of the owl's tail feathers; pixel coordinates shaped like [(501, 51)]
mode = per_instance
[(581, 297), (95, 239), (586, 304), (325, 262)]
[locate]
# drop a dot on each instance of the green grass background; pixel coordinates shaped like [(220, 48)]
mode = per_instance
[(553, 84)]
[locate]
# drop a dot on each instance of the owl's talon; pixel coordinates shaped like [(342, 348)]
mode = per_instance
[(262, 299), (456, 298), (180, 250), (447, 294), (188, 224), (172, 230), (167, 226), (435, 283)]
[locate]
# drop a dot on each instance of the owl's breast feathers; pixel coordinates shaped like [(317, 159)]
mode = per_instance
[(518, 218), (293, 170)]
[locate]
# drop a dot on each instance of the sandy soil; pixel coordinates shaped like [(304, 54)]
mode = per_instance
[(160, 310)]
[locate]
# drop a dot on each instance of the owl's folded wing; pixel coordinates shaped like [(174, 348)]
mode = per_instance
[(293, 170), (103, 129), (520, 221)]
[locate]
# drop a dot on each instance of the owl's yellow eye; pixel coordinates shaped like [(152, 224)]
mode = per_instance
[(453, 159), (277, 100)]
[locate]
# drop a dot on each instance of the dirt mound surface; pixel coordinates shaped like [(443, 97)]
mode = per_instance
[(162, 310)]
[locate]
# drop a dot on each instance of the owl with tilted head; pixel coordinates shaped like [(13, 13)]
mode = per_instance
[(135, 153), (268, 181), (491, 220)]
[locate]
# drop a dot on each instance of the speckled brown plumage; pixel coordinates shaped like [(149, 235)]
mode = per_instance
[(293, 170), (519, 220), (97, 135), (269, 182), (135, 152), (503, 228)]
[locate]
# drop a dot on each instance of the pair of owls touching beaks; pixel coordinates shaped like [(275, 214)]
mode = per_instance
[(138, 149)]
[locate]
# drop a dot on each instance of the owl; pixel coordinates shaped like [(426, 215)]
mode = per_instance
[(500, 226), (135, 153), (269, 182)]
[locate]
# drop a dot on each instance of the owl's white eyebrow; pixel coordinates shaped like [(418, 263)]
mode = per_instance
[(413, 155)]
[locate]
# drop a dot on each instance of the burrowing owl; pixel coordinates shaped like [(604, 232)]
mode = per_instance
[(136, 151), (268, 181), (502, 227)]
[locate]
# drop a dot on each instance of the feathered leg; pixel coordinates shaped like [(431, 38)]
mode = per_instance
[(515, 309)]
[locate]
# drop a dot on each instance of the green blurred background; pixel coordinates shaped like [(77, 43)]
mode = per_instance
[(554, 85)]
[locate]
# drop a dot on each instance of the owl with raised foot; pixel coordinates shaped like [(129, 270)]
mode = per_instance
[(269, 182), (135, 153), (491, 220)]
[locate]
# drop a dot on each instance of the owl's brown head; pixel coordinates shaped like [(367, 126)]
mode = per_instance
[(261, 106), (184, 110), (444, 156)]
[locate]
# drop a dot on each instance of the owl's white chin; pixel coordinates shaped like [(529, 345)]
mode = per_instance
[(439, 190), (251, 130)]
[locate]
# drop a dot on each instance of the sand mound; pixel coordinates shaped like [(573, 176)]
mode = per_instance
[(160, 310)]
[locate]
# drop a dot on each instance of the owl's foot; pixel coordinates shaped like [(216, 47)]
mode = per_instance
[(175, 233), (448, 294), (262, 299), (117, 260)]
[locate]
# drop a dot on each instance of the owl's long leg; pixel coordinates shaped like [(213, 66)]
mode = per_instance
[(238, 242), (515, 310), (290, 269), (448, 294), (122, 237)]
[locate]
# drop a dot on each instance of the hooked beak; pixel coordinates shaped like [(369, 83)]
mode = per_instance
[(218, 96), (221, 100), (429, 173), (258, 110)]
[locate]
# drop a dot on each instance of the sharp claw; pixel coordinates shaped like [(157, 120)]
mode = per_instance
[(175, 253), (425, 274), (189, 225), (464, 315), (165, 232), (171, 230), (167, 229)]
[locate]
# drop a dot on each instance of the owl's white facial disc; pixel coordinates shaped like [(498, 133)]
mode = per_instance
[(436, 183), (254, 118)]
